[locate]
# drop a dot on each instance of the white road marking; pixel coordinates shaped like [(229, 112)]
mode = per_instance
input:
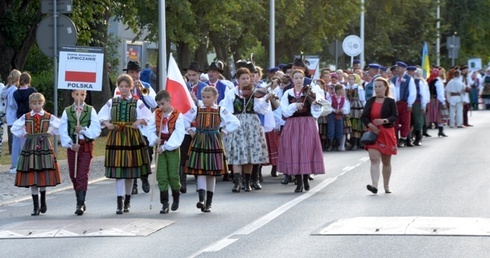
[(264, 220)]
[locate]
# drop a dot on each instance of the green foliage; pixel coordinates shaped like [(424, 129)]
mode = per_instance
[(37, 62)]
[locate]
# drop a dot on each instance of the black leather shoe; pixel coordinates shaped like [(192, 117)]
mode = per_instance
[(387, 191), (372, 189), (274, 171)]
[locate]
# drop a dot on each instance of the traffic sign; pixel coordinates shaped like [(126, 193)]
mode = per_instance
[(67, 34), (62, 6), (352, 45)]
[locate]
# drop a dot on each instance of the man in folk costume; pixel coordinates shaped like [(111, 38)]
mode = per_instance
[(79, 121), (373, 72), (419, 106), (144, 92), (194, 85), (437, 102), (454, 94), (214, 71), (466, 96), (406, 94)]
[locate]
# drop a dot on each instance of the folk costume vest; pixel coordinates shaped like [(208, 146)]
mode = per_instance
[(169, 122), (72, 120)]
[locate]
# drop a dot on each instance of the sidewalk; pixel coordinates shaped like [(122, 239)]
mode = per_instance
[(10, 193)]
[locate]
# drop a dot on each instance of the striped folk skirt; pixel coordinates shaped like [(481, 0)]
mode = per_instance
[(126, 154), (37, 165), (300, 150), (207, 154), (435, 113)]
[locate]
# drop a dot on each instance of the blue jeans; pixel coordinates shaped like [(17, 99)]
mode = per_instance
[(16, 147), (335, 127)]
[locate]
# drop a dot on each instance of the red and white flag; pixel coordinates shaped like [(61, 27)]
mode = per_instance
[(81, 72), (181, 98)]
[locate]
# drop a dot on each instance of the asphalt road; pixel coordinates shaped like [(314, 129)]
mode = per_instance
[(445, 181)]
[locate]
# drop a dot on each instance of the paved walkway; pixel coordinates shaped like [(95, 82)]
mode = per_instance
[(10, 193)]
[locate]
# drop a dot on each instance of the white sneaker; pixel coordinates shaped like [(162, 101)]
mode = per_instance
[(13, 171)]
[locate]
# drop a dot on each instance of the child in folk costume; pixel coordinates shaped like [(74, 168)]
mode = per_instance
[(126, 155), (246, 146), (37, 166), (79, 127), (207, 156), (300, 151), (166, 129), (356, 96), (341, 107)]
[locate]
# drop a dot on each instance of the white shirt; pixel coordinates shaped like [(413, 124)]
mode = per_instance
[(176, 137), (19, 126), (91, 132)]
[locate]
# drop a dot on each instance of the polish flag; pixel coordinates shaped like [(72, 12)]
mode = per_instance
[(181, 98), (80, 72)]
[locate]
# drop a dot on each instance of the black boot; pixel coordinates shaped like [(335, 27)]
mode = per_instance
[(274, 171), (200, 204), (306, 182), (329, 145), (255, 178), (84, 193), (353, 142), (209, 201), (176, 199), (127, 203), (35, 202), (44, 207), (164, 201), (237, 180), (246, 185), (441, 132), (299, 184), (261, 178), (145, 184), (119, 205), (424, 131), (286, 179), (80, 209), (183, 180), (409, 140), (226, 176), (135, 186), (418, 138)]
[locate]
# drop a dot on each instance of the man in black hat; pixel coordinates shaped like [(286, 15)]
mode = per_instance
[(214, 71), (143, 91), (194, 85)]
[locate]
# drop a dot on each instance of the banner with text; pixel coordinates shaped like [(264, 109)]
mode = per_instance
[(81, 68)]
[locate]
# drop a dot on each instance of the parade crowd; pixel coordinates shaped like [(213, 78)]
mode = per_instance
[(284, 119)]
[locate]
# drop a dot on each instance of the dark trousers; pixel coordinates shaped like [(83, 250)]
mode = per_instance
[(466, 109), (85, 154)]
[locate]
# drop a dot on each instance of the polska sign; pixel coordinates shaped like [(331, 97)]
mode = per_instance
[(81, 68)]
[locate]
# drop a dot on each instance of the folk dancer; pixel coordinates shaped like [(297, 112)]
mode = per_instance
[(79, 121)]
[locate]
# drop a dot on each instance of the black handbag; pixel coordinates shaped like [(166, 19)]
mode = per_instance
[(369, 138)]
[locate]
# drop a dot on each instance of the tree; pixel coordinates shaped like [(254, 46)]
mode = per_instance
[(18, 24)]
